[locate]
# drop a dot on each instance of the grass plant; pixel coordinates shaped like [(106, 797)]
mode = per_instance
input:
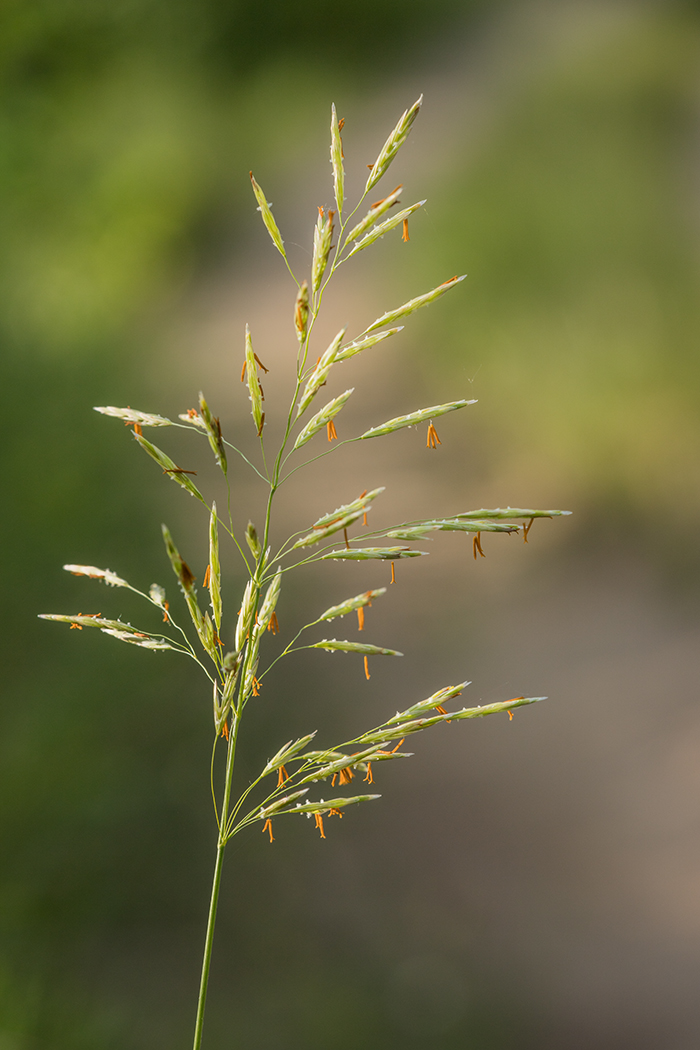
[(231, 653)]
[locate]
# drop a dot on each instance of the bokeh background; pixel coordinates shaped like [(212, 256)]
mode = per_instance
[(524, 884)]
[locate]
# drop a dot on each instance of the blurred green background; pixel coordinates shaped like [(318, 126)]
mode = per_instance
[(542, 894)]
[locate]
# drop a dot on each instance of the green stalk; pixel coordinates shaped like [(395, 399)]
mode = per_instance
[(216, 885)]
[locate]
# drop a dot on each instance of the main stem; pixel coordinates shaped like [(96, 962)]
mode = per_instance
[(216, 885), (208, 945)]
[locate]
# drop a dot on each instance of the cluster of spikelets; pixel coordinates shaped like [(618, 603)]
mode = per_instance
[(234, 673)]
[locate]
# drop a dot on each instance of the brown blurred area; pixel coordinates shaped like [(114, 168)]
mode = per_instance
[(525, 883)]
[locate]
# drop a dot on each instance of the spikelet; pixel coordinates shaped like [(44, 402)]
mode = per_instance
[(132, 416), (267, 217), (169, 467), (414, 418), (321, 806), (337, 161), (384, 227), (373, 553), (360, 505), (301, 311), (415, 304), (393, 144), (512, 512), (332, 645), (269, 602), (123, 632), (254, 391), (441, 697), (323, 235), (374, 213), (286, 753), (317, 535), (351, 604), (251, 538), (320, 373), (319, 421), (213, 428), (214, 567), (358, 345), (106, 575), (245, 615)]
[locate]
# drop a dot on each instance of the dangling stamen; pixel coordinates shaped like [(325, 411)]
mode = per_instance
[(224, 730), (345, 776), (319, 824), (433, 439), (265, 370), (207, 577), (347, 541), (334, 813), (477, 546), (256, 686), (267, 826), (137, 429), (526, 529), (274, 625), (510, 715), (369, 779), (405, 236), (393, 574), (367, 669), (243, 372), (332, 432), (282, 775), (166, 618), (360, 619)]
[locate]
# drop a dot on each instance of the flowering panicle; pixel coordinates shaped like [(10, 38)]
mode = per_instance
[(238, 673)]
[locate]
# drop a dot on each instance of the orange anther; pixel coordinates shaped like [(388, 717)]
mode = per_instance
[(367, 676), (207, 577), (393, 574), (369, 779), (405, 236), (319, 824), (433, 439), (332, 432), (282, 775), (477, 545), (273, 625), (267, 826), (360, 619)]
